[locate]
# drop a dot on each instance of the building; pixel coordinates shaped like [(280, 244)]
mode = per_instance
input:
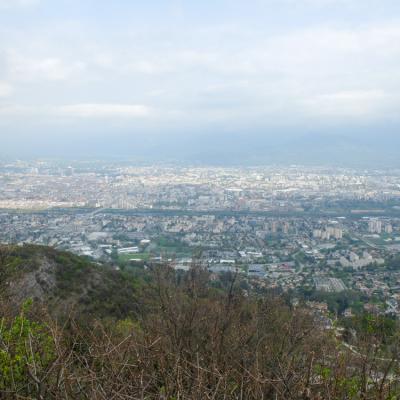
[(375, 226), (388, 229)]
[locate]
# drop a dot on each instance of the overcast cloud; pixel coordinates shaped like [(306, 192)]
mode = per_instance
[(178, 65)]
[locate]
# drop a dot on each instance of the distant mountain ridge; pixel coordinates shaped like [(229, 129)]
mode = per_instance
[(343, 148)]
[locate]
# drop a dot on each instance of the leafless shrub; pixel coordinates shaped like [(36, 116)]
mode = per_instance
[(195, 342)]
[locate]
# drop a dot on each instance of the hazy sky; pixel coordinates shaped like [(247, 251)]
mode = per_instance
[(85, 69)]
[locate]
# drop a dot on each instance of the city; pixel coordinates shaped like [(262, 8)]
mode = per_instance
[(291, 229)]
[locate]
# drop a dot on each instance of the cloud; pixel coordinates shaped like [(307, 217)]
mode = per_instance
[(18, 3), (27, 68), (5, 89), (202, 73), (365, 104), (104, 110), (320, 3), (88, 110)]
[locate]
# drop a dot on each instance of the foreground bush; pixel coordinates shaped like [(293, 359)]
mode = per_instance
[(191, 341)]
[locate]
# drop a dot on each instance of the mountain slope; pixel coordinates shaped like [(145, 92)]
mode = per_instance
[(64, 282)]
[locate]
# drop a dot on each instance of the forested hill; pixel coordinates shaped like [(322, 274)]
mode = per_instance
[(168, 335), (64, 282)]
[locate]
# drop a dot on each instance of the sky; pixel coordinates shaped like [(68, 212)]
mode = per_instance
[(200, 78)]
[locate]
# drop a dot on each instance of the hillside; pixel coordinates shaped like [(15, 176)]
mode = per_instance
[(64, 282), (185, 339)]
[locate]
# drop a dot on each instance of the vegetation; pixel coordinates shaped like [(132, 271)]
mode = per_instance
[(64, 283), (187, 339)]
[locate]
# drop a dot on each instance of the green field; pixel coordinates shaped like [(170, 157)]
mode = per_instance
[(139, 256)]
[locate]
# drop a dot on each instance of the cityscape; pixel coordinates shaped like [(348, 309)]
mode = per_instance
[(308, 232)]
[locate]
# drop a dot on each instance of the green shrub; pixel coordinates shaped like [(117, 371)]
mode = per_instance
[(26, 351)]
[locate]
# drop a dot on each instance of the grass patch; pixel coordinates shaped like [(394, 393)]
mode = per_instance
[(139, 256)]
